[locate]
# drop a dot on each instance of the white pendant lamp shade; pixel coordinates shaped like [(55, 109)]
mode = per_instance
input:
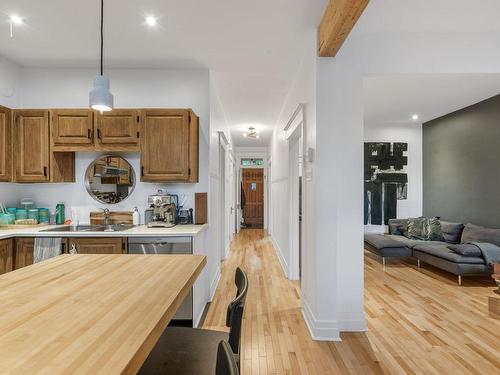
[(100, 97)]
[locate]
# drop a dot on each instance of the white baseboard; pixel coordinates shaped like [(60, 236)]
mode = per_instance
[(320, 330), (213, 284), (281, 258), (352, 322)]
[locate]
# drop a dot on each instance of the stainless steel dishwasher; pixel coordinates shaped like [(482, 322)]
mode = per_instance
[(166, 245)]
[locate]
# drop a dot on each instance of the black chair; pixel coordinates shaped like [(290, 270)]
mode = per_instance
[(183, 350), (226, 363)]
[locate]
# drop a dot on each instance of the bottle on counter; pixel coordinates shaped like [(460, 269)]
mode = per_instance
[(60, 214), (136, 216)]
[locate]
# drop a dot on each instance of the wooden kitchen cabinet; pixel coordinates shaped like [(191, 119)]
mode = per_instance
[(117, 130), (169, 145), (6, 256), (72, 129), (85, 245), (5, 145), (24, 252), (31, 146), (33, 159)]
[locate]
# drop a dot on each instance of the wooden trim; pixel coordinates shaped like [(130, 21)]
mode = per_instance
[(338, 20)]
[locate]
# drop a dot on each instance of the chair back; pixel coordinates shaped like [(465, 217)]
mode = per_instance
[(226, 363), (235, 309)]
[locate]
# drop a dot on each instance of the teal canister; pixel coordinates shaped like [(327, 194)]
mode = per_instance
[(21, 214), (11, 210), (43, 215), (33, 214), (60, 218)]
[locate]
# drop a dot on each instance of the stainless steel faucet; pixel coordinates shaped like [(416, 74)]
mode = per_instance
[(106, 216)]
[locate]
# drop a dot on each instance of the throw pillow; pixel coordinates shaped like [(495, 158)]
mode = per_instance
[(466, 250), (477, 233), (416, 228), (398, 227), (452, 231), (433, 231)]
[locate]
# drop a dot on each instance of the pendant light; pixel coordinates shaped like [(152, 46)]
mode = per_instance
[(100, 98)]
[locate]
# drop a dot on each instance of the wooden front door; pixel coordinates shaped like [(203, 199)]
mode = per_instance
[(253, 197)]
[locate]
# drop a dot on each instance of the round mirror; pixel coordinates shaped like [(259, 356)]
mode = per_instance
[(110, 179)]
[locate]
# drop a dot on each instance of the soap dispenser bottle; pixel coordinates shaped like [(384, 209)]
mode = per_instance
[(136, 217)]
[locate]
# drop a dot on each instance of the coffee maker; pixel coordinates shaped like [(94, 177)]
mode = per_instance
[(164, 209)]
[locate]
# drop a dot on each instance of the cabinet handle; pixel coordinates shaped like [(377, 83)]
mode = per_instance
[(44, 171), (99, 133), (89, 134), (142, 171)]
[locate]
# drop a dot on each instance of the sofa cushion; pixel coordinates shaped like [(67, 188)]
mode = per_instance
[(380, 241), (411, 243), (398, 226), (452, 231), (476, 233), (442, 251), (467, 250)]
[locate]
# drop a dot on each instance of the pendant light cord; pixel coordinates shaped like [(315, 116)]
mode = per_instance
[(102, 34)]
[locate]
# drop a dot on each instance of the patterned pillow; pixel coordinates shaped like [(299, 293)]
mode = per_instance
[(425, 229), (416, 228), (433, 230)]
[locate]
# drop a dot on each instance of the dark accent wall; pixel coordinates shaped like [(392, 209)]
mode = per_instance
[(461, 156)]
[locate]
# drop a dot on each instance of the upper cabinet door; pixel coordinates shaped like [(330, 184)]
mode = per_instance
[(31, 145), (72, 129), (165, 136), (117, 130), (5, 145)]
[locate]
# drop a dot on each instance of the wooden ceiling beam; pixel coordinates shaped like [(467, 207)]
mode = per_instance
[(338, 20)]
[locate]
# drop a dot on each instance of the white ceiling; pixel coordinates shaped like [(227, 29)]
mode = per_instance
[(253, 48), (394, 99), (399, 16)]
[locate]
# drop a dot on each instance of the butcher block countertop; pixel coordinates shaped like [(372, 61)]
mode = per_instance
[(90, 314), (138, 231)]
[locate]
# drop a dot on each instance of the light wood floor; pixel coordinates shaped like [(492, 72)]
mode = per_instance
[(420, 322)]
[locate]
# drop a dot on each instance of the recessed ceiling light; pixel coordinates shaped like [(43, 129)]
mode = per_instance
[(415, 117), (16, 20), (151, 21)]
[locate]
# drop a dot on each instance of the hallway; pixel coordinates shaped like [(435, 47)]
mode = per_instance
[(275, 337), (412, 318)]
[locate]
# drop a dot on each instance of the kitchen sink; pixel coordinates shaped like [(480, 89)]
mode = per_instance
[(90, 228)]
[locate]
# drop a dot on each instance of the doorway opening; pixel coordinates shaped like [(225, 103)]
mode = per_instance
[(295, 149), (252, 196)]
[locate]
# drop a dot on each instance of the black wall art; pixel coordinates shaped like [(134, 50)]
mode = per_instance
[(386, 180)]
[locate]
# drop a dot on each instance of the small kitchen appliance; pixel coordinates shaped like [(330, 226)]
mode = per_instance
[(164, 208)]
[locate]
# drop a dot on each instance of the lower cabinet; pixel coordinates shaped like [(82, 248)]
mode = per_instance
[(6, 256), (24, 251), (85, 245)]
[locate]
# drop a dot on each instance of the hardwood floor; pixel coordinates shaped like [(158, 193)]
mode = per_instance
[(420, 322)]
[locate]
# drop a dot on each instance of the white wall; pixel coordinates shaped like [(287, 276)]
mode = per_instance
[(411, 134), (218, 123), (303, 91), (10, 96)]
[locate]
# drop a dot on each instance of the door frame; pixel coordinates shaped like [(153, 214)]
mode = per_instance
[(223, 161), (295, 133), (251, 153)]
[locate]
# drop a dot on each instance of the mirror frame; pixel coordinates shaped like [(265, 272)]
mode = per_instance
[(91, 166)]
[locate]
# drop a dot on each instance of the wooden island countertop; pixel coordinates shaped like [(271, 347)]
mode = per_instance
[(90, 314)]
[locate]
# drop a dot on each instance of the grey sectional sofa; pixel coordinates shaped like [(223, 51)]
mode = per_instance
[(437, 253)]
